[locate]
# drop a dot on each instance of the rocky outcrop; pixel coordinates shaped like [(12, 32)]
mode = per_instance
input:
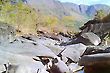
[(97, 27), (96, 59), (87, 10)]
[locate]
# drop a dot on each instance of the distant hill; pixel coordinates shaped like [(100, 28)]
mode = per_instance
[(59, 9), (53, 7), (87, 10), (74, 15), (50, 15)]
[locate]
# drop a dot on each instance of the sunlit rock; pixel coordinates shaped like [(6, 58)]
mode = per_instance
[(94, 39), (74, 67), (35, 67), (74, 51)]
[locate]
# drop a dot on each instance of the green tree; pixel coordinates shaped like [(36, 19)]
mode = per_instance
[(106, 18), (18, 14), (99, 15)]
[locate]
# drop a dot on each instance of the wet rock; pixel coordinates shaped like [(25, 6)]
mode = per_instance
[(95, 59), (97, 69), (96, 63)]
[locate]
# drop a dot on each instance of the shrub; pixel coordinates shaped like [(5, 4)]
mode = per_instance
[(20, 15)]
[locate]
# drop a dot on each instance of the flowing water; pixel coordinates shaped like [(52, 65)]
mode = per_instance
[(81, 71)]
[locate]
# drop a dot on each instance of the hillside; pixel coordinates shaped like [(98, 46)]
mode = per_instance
[(48, 15), (53, 7), (86, 9), (77, 14), (60, 9)]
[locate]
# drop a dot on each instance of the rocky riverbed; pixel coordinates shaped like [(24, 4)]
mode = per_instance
[(25, 52), (45, 53), (36, 54)]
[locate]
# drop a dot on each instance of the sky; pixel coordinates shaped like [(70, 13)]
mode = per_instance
[(88, 2)]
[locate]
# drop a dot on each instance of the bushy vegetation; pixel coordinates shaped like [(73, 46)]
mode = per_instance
[(19, 15), (66, 24), (102, 17), (27, 20), (69, 23), (99, 15), (106, 19)]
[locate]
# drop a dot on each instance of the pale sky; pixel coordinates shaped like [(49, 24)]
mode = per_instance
[(88, 2)]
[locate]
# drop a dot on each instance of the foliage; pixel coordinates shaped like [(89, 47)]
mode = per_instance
[(69, 23), (106, 19), (48, 21), (26, 19), (20, 15), (99, 15)]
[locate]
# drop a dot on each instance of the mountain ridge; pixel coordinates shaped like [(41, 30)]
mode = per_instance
[(56, 7), (88, 10), (77, 14)]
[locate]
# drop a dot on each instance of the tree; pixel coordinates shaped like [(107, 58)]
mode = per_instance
[(99, 15), (68, 22), (106, 18), (18, 14)]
